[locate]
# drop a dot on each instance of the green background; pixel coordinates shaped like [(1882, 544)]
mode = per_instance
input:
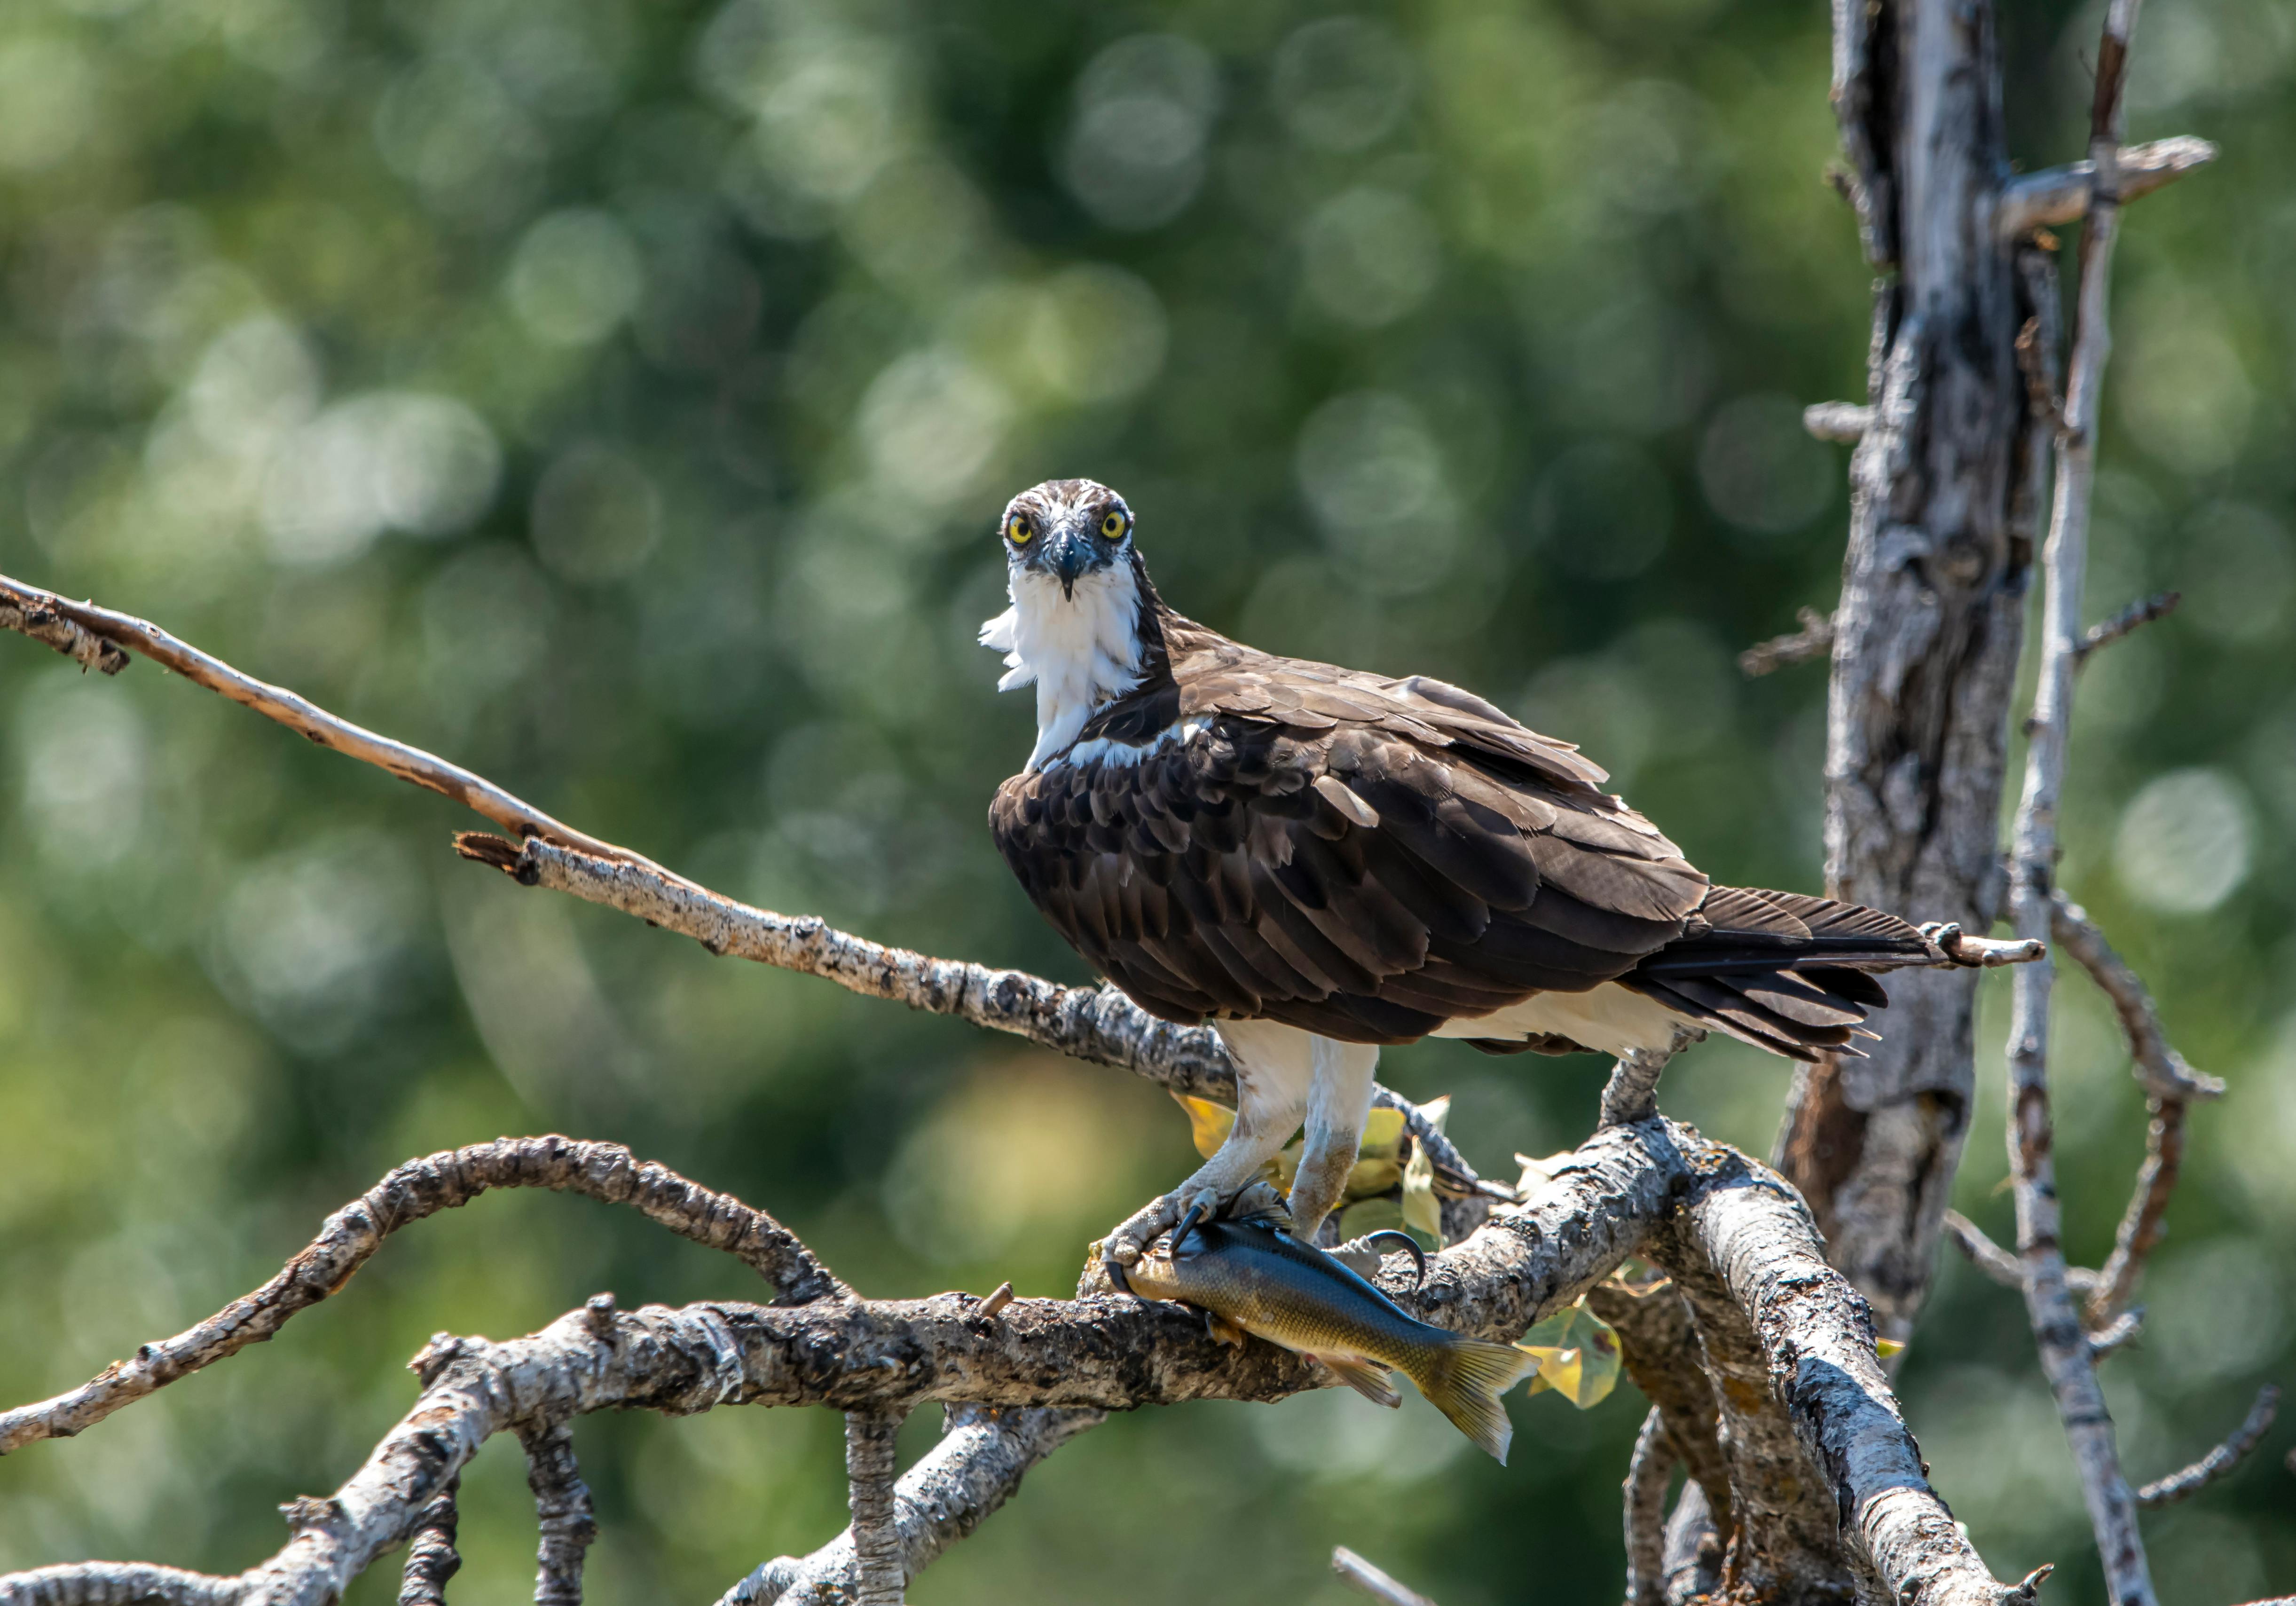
[(617, 397)]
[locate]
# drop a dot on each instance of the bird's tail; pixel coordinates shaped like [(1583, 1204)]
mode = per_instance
[(1463, 1380), (1782, 971)]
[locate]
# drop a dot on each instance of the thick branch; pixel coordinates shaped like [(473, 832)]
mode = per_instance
[(2220, 1461), (1818, 1338), (607, 1172), (2054, 195)]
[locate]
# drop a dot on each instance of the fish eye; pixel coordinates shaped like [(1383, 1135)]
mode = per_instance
[(1019, 530), (1111, 524)]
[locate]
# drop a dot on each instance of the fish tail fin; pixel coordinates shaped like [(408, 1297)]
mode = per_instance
[(1365, 1378), (1464, 1382)]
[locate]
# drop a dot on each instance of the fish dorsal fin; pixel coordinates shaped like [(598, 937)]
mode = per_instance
[(1367, 1378)]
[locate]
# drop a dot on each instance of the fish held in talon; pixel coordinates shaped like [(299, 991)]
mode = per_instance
[(1249, 1276), (1320, 861)]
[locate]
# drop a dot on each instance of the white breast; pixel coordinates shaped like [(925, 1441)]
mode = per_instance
[(1078, 651)]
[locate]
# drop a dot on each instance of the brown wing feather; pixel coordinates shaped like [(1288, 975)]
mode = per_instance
[(1364, 858)]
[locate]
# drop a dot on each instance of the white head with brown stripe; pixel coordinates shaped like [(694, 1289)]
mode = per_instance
[(1080, 625)]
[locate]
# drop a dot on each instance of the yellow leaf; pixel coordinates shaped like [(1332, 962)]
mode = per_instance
[(1437, 1110), (1887, 1347), (1382, 1135), (1537, 1173), (1373, 1175), (1423, 1212), (1209, 1124), (1578, 1356)]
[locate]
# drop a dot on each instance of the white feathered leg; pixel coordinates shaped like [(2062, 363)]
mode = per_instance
[(1275, 1066), (1339, 1099)]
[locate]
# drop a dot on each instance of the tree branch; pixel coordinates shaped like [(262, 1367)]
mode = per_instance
[(606, 1172), (2053, 195), (871, 1438), (38, 614), (1363, 1578), (2220, 1461), (1648, 1476), (562, 1503), (2139, 614), (431, 1559), (1815, 639), (2059, 1335), (2159, 1070)]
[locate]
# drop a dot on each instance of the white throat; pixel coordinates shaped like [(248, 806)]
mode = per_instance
[(1078, 652)]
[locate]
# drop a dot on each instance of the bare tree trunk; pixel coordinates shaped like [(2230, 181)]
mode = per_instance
[(1926, 640)]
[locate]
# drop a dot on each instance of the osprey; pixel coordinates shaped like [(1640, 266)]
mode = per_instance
[(1320, 861)]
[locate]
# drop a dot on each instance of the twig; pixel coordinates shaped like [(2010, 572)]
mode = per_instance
[(20, 602), (562, 1503), (419, 1188), (2058, 1333), (2035, 200), (1840, 420), (871, 1439), (1363, 1578), (2118, 1334), (2159, 1068), (998, 1298), (1984, 1254), (1815, 639), (31, 612), (1648, 1476), (432, 1558), (2106, 632), (2033, 355), (2219, 1462)]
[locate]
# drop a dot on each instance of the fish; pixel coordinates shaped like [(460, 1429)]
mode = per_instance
[(1249, 1276)]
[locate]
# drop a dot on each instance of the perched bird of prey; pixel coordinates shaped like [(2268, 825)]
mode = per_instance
[(1320, 861)]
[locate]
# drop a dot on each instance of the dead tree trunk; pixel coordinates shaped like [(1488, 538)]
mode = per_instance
[(1926, 639)]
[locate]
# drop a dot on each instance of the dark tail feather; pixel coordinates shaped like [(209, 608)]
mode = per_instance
[(1782, 971)]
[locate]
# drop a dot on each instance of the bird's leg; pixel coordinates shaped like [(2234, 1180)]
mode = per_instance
[(1339, 1098), (1272, 1072)]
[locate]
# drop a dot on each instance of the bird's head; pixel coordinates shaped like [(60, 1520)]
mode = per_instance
[(1066, 530)]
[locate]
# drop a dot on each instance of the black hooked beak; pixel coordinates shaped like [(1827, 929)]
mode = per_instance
[(1069, 550)]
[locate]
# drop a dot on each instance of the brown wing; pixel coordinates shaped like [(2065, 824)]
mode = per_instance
[(1363, 857)]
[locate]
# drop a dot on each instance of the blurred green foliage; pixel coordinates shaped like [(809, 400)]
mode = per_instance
[(618, 398)]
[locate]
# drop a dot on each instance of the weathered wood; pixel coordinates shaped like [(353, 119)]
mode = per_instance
[(1927, 633)]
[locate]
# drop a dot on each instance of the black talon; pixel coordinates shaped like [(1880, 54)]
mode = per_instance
[(1410, 1247), (1195, 1212)]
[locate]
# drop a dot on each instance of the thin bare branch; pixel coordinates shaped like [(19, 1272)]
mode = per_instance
[(562, 1503), (2137, 614), (871, 1439), (1839, 421), (2159, 1068), (1659, 1350), (2147, 1217), (1363, 1578), (1984, 1254), (2059, 1335), (20, 604), (1648, 1476), (432, 1558), (2220, 1461), (32, 612), (2035, 348), (2118, 1334), (419, 1188), (998, 1298), (1815, 639), (2033, 200), (118, 1584)]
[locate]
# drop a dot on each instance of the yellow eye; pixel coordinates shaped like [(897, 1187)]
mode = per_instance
[(1018, 532), (1112, 526)]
